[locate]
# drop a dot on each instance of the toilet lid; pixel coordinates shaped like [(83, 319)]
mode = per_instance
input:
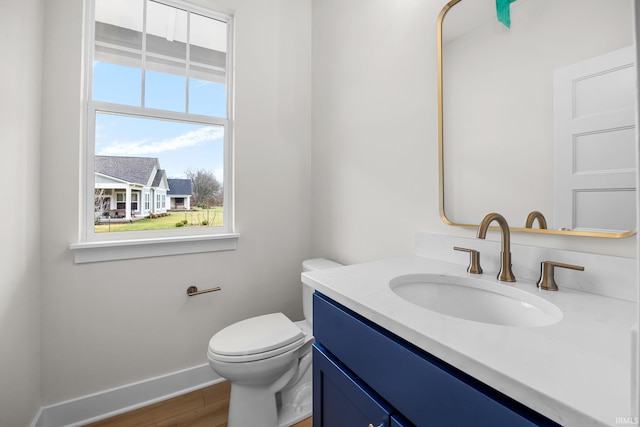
[(255, 335)]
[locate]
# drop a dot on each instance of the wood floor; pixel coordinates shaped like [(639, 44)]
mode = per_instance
[(207, 407)]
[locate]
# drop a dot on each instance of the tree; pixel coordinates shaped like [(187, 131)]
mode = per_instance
[(100, 204), (206, 191)]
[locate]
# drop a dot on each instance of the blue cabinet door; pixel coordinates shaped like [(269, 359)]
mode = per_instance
[(342, 401)]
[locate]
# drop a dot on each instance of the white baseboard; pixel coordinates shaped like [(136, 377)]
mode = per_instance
[(105, 404)]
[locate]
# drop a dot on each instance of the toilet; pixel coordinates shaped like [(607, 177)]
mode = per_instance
[(267, 359)]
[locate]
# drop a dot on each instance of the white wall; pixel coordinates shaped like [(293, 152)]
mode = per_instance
[(114, 323), (20, 83), (374, 146), (635, 391)]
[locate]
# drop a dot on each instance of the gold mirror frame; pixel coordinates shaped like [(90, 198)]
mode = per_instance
[(439, 41)]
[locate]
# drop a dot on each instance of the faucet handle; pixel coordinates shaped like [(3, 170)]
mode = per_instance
[(547, 280), (474, 260)]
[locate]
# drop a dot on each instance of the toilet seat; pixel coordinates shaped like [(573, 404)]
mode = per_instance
[(256, 338)]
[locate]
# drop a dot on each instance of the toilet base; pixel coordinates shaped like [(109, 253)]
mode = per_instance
[(249, 406), (296, 403), (252, 406)]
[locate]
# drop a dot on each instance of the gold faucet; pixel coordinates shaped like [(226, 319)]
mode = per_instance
[(505, 274), (542, 222)]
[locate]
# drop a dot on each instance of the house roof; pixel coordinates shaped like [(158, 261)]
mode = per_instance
[(135, 170), (158, 178), (179, 186)]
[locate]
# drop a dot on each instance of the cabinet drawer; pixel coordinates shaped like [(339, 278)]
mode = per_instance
[(424, 389)]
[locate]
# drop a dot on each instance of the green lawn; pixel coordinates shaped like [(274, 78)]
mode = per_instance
[(194, 219)]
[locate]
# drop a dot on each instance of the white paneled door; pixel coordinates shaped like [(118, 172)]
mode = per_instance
[(594, 139)]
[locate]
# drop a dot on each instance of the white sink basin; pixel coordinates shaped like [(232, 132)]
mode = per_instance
[(476, 300)]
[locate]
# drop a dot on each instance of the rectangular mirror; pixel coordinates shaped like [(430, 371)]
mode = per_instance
[(539, 117)]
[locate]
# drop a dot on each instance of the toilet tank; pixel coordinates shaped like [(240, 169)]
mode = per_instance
[(307, 291)]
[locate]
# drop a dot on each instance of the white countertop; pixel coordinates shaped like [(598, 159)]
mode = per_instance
[(576, 372)]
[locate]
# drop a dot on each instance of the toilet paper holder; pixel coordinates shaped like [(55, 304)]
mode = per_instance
[(193, 290)]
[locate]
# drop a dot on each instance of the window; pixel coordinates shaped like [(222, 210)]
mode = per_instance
[(158, 110), (134, 202), (120, 201)]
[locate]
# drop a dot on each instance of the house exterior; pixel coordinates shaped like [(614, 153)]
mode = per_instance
[(179, 194), (129, 187)]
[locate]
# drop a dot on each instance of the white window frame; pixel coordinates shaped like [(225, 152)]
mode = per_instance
[(94, 247), (121, 197), (135, 201)]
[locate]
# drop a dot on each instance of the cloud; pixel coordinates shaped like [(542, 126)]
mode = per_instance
[(219, 174), (146, 147)]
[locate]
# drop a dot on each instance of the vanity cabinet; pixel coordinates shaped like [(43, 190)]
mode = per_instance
[(363, 375)]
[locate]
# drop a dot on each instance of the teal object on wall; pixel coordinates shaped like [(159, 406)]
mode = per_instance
[(504, 14)]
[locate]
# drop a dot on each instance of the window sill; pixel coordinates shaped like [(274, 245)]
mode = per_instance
[(87, 252)]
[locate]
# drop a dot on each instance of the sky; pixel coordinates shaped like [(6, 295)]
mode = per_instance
[(178, 146)]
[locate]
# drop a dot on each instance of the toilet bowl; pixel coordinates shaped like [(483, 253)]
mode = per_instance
[(267, 359)]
